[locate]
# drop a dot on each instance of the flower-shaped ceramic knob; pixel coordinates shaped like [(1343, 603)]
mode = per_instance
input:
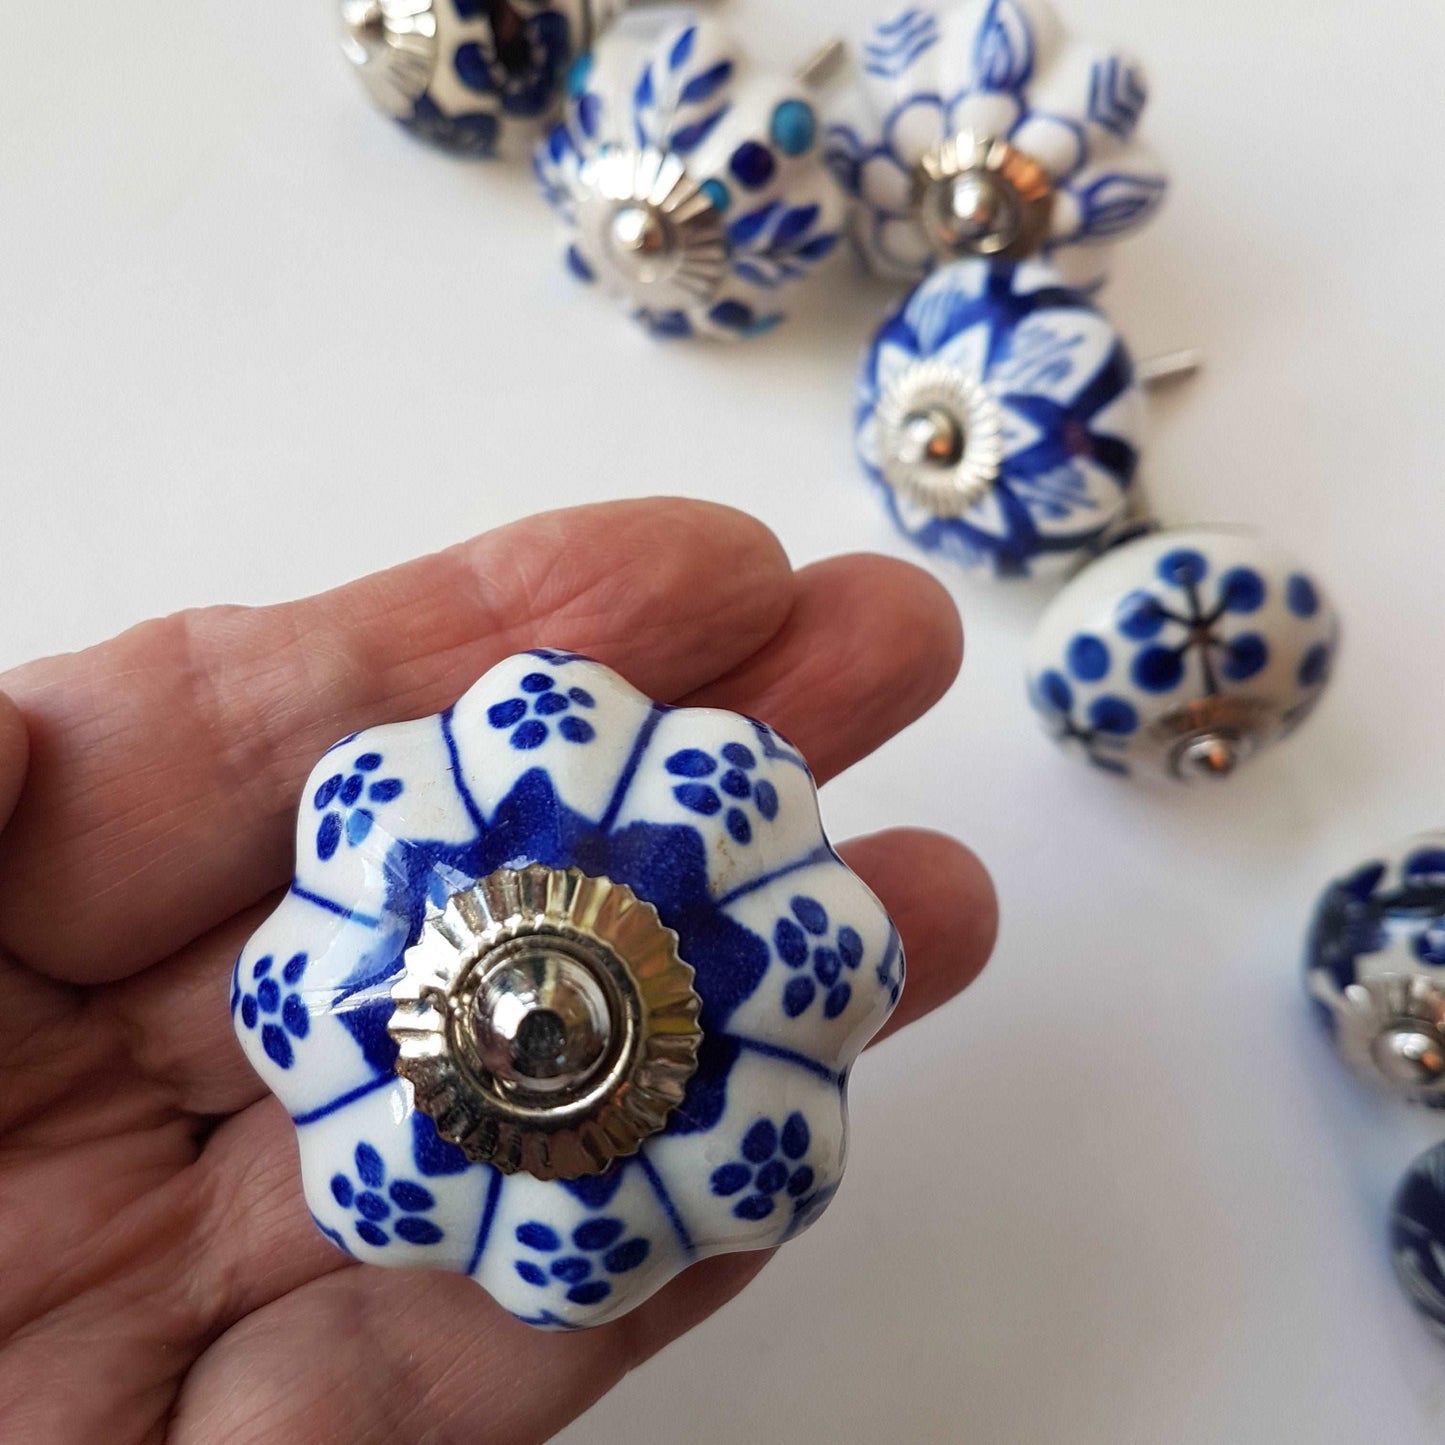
[(1183, 653), (477, 77), (1375, 966), (982, 129), (565, 992), (690, 181), (1417, 1237), (997, 409)]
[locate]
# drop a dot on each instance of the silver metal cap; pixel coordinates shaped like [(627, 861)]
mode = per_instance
[(1392, 1029), (546, 1022), (393, 45), (978, 196)]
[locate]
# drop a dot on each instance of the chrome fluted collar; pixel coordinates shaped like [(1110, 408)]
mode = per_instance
[(1392, 1028), (644, 220), (979, 196), (940, 438), (546, 1022)]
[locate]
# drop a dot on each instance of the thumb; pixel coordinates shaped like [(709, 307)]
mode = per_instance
[(14, 752)]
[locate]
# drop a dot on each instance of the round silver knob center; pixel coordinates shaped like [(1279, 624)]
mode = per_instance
[(541, 1021), (1410, 1053), (642, 242), (932, 436), (1211, 755), (979, 213)]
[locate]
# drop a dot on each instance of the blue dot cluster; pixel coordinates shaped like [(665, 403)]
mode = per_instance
[(597, 1248), (771, 1164), (801, 944), (735, 785), (548, 706), (281, 1013), (385, 1210), (338, 799)]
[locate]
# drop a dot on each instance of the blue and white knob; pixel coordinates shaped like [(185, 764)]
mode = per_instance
[(566, 991), (477, 77), (983, 129), (1417, 1237), (997, 410), (1375, 967), (690, 181), (1182, 653)]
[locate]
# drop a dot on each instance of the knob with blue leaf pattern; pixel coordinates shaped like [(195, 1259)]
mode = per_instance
[(689, 181)]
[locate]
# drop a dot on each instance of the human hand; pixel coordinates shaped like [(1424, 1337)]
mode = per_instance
[(162, 1277)]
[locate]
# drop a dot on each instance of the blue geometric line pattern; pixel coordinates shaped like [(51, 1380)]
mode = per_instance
[(1117, 96), (896, 44)]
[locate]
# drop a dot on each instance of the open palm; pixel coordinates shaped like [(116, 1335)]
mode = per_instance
[(162, 1279)]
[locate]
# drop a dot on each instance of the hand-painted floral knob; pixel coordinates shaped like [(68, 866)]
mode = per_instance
[(1184, 652), (998, 411), (565, 991), (465, 74), (1375, 966), (690, 182), (982, 129), (1417, 1237)]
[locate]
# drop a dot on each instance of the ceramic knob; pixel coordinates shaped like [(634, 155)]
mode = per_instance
[(1182, 653), (474, 76), (1375, 966), (689, 181), (1417, 1237), (565, 991), (997, 410), (984, 129)]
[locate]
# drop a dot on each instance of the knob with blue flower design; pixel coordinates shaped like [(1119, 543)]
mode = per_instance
[(983, 129), (1375, 967), (1417, 1237), (476, 77), (689, 181), (997, 410), (565, 991), (1182, 653)]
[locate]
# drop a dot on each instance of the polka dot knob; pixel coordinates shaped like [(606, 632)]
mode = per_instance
[(998, 412), (982, 128), (1375, 967), (1182, 653), (477, 77), (565, 992), (689, 182)]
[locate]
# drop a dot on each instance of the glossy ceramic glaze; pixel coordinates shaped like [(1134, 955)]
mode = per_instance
[(1044, 393), (1175, 634), (477, 77), (1004, 69), (712, 819), (726, 157)]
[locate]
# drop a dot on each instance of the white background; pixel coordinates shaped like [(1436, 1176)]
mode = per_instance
[(254, 342)]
